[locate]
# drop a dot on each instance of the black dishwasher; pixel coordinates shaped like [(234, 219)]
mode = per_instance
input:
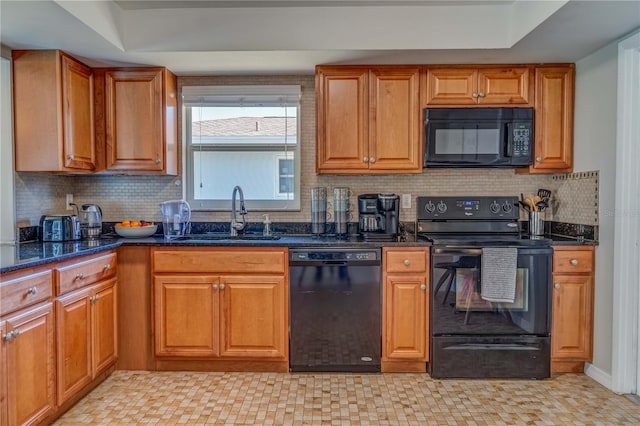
[(335, 309)]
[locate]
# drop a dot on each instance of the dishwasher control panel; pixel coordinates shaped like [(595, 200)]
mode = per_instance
[(335, 255)]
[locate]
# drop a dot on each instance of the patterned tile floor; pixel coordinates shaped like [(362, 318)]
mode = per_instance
[(169, 398)]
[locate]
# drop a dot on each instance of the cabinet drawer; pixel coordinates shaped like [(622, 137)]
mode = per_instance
[(219, 261), (406, 261), (573, 261), (25, 290), (84, 272)]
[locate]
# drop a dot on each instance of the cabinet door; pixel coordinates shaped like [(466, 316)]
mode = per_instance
[(405, 331), (186, 310), (394, 124), (572, 317), (253, 320), (451, 86), (73, 325), (553, 147), (134, 120), (342, 120), (30, 365), (104, 325), (77, 111), (3, 374), (508, 86)]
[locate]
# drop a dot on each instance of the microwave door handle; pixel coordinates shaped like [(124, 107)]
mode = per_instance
[(508, 140)]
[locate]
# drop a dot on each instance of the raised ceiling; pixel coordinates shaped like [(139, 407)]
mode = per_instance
[(286, 36)]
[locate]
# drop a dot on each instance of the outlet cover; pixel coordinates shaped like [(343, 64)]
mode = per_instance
[(406, 201), (69, 201)]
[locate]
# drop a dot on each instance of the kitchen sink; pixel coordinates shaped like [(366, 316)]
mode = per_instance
[(224, 236)]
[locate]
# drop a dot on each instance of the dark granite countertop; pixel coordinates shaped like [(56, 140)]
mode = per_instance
[(29, 254)]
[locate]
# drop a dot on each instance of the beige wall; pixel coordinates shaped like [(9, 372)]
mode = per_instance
[(138, 196)]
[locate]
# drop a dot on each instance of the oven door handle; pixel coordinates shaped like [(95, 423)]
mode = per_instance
[(458, 251)]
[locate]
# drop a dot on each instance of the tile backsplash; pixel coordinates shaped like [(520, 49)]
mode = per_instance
[(139, 197)]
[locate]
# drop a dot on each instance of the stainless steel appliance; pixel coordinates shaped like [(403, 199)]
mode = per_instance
[(478, 137), (335, 309), (490, 290), (90, 221), (60, 227), (379, 216)]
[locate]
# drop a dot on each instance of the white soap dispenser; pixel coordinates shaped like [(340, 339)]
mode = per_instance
[(266, 231)]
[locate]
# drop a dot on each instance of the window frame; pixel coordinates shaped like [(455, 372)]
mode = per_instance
[(190, 149)]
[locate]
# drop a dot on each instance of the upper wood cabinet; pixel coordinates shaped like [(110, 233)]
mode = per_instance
[(53, 112), (368, 120), (553, 134), (483, 86), (137, 120)]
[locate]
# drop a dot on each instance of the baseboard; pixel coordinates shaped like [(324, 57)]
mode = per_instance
[(598, 375)]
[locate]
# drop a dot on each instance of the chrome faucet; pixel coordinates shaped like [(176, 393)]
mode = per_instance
[(235, 225)]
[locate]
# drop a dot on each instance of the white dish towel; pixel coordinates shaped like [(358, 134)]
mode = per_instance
[(499, 274)]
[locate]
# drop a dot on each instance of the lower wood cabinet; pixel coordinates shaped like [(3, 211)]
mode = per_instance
[(27, 364), (222, 311), (572, 308), (86, 322), (405, 317)]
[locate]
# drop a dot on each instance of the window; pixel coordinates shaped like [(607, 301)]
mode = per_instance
[(246, 136)]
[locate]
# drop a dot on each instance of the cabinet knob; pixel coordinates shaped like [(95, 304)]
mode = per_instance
[(407, 262), (372, 159), (69, 156), (365, 159), (107, 267), (215, 286), (474, 94), (221, 286), (94, 298), (574, 262), (423, 287), (80, 276), (32, 291), (556, 285), (481, 94), (10, 336), (157, 161), (538, 159)]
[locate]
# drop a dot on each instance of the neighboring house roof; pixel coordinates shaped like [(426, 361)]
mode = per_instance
[(245, 126)]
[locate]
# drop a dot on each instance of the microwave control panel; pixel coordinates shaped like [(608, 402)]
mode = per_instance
[(521, 139)]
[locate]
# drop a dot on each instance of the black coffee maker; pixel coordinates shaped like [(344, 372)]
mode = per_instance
[(379, 216)]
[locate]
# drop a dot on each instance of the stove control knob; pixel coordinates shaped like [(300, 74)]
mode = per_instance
[(507, 207), (442, 207), (494, 207), (429, 207)]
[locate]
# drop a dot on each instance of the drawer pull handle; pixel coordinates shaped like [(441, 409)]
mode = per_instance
[(556, 285), (80, 276), (407, 262), (423, 287), (221, 286), (32, 291), (107, 267), (11, 335), (574, 262)]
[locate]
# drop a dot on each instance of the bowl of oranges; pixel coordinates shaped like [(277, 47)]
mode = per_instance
[(135, 228)]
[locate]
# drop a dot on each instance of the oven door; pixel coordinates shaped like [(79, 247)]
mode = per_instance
[(459, 309)]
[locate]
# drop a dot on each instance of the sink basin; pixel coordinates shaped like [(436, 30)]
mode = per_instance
[(224, 236)]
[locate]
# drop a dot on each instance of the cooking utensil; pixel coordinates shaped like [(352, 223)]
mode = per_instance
[(541, 205), (544, 193), (524, 205)]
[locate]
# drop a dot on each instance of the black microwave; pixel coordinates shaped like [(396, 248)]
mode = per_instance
[(478, 137)]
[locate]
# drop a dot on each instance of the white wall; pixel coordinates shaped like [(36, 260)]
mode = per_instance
[(594, 144)]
